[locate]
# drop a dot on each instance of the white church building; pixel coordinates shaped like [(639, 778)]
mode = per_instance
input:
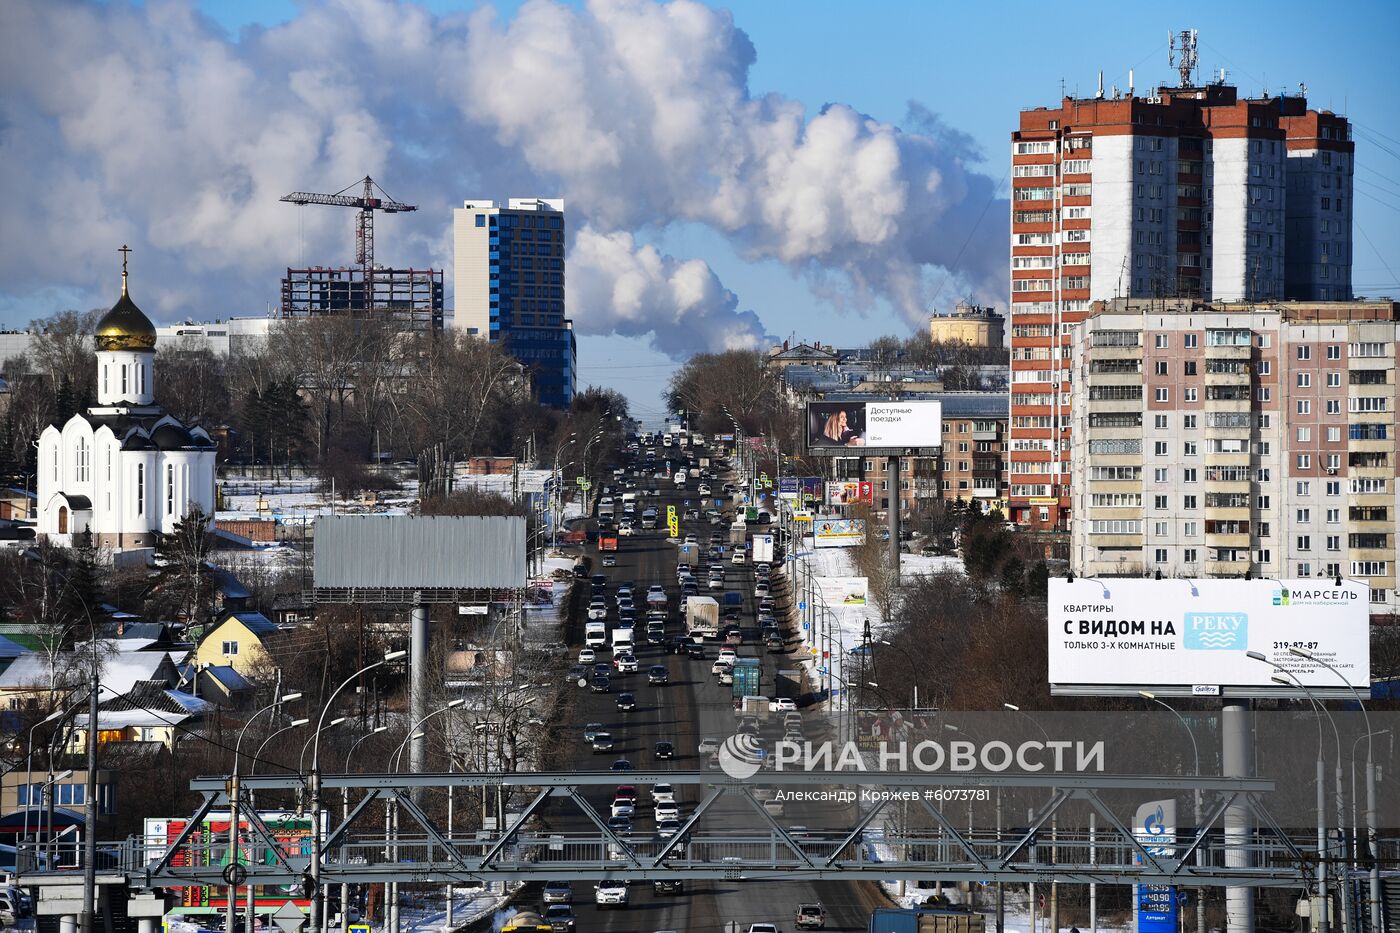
[(123, 470)]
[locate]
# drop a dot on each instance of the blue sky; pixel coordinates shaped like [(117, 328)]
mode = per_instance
[(972, 67)]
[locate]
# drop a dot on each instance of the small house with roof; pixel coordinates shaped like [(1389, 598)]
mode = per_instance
[(238, 640)]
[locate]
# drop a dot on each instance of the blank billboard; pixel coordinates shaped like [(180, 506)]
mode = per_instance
[(410, 551)]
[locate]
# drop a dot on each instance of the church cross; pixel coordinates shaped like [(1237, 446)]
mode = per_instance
[(124, 250)]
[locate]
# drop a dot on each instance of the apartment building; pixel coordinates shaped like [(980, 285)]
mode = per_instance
[(1224, 439), (1193, 192), (508, 268)]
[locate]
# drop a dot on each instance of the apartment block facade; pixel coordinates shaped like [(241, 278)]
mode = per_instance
[(509, 287), (1219, 439), (1191, 192)]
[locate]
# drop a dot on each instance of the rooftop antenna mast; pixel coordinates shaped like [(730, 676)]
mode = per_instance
[(1183, 42)]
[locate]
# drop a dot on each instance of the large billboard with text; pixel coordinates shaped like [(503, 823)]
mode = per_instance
[(1195, 637), (838, 532), (842, 591), (874, 427)]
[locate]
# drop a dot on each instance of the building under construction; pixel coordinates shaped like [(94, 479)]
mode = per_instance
[(411, 296)]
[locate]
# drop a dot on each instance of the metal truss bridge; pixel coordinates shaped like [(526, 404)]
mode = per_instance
[(746, 843)]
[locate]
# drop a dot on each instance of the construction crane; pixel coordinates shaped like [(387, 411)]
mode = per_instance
[(367, 204)]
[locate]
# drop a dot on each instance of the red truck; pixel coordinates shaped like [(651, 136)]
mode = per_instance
[(607, 542)]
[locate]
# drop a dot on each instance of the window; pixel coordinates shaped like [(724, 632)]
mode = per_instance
[(1189, 341), (1369, 568), (1334, 542), (1304, 352), (1114, 500), (1188, 502), (1188, 394), (1160, 341), (1304, 516), (1160, 367), (1189, 449), (1334, 406), (1304, 380), (1334, 435), (1160, 555), (1159, 448), (1159, 475), (1189, 555), (1188, 475), (1303, 487), (1189, 421), (1334, 351), (1334, 488), (1159, 529), (1159, 503), (140, 489), (1163, 394), (169, 489), (1265, 367), (481, 220), (1115, 526), (1304, 569), (1304, 435), (230, 649), (1189, 529), (1159, 422)]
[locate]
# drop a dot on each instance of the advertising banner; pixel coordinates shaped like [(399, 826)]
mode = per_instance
[(812, 489), (838, 532), (790, 488), (874, 426), (842, 591), (1196, 636), (850, 493), (1154, 825), (291, 832)]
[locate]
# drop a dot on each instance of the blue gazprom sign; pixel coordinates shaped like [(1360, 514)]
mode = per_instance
[(1216, 631)]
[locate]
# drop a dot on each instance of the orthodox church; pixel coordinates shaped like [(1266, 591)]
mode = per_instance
[(123, 470)]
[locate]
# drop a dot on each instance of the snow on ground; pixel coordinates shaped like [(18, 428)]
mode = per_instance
[(838, 628), (429, 915)]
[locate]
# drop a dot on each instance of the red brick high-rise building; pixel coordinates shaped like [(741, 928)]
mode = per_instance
[(1191, 192)]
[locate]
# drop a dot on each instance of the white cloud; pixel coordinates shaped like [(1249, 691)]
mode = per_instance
[(147, 125)]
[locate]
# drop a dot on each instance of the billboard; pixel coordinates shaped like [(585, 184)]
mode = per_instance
[(838, 532), (416, 551), (842, 591), (850, 493), (208, 845), (874, 426), (1190, 637), (790, 488)]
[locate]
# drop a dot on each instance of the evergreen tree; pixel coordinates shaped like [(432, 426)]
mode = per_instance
[(184, 582)]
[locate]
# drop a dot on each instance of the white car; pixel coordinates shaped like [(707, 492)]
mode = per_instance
[(738, 557), (763, 928), (597, 609), (663, 793), (610, 894), (721, 666), (728, 654), (783, 705), (703, 489), (623, 807), (625, 663), (626, 529), (708, 746), (587, 656), (760, 590), (667, 811)]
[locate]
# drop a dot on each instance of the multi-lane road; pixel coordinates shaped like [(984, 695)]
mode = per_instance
[(691, 707)]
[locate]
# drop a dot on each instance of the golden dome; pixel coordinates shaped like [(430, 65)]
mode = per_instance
[(126, 326)]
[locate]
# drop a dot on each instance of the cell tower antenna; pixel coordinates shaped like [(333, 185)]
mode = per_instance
[(1185, 43)]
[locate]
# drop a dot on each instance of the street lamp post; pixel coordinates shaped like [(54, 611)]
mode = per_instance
[(1375, 874), (1196, 757), (234, 792), (345, 815), (1356, 831), (317, 895)]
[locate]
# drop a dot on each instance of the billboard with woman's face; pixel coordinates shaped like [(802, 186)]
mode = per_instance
[(877, 426)]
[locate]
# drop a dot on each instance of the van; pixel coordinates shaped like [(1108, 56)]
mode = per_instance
[(595, 635), (649, 520)]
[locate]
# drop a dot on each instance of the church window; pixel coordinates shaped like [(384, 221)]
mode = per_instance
[(141, 381), (109, 469), (105, 368), (82, 460), (63, 519), (140, 489), (169, 489), (123, 380)]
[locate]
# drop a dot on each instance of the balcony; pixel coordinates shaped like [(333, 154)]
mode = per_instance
[(992, 435)]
